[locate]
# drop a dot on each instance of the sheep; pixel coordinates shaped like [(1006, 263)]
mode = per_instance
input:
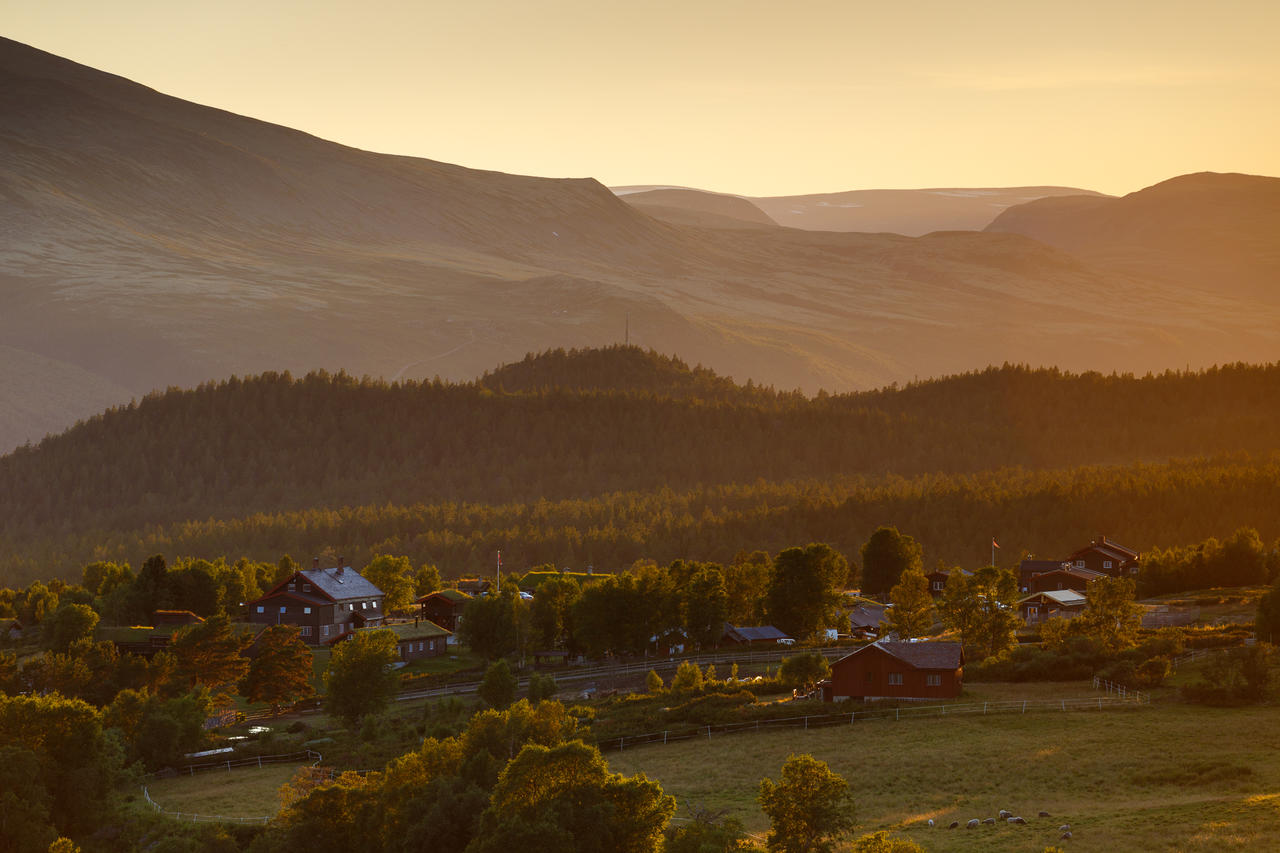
[(1066, 827), (931, 823), (1044, 814), (1005, 814), (1019, 821), (954, 824), (973, 824), (989, 822), (1066, 836)]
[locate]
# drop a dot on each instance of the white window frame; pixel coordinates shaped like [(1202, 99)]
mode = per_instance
[(1079, 564), (262, 608), (932, 679), (306, 610), (1106, 564), (895, 679), (284, 608)]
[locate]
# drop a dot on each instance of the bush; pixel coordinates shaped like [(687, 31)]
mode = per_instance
[(687, 677), (498, 688)]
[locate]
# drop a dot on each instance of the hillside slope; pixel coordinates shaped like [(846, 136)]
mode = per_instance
[(154, 242), (1218, 231)]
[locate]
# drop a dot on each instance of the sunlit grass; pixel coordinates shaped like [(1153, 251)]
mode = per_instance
[(1161, 777), (240, 792)]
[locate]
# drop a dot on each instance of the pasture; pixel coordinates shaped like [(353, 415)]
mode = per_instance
[(244, 792), (1161, 777)]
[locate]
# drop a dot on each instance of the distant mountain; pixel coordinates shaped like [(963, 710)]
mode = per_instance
[(151, 242), (1216, 231), (910, 212), (698, 208)]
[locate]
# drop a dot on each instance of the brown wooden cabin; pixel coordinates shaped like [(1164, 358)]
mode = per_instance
[(1108, 557), (443, 607), (418, 639), (1072, 578), (1052, 604), (891, 670)]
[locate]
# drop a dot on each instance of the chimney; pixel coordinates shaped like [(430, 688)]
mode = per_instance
[(340, 560), (315, 562)]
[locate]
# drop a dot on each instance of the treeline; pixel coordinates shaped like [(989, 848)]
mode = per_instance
[(1045, 513), (274, 443)]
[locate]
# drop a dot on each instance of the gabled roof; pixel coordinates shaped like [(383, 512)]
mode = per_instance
[(866, 616), (1061, 597), (1082, 574), (1110, 548), (755, 634), (341, 585), (1040, 566), (453, 596), (934, 655)]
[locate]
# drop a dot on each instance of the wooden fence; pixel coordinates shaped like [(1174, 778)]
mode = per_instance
[(228, 765), (818, 721)]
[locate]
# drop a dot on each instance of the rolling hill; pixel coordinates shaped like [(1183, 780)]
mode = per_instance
[(153, 242)]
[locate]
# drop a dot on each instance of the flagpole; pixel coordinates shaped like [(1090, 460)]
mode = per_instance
[(499, 572)]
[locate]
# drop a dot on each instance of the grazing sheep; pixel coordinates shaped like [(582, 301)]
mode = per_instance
[(1066, 827), (1005, 814), (989, 822), (1044, 814), (954, 824), (973, 824), (1066, 836), (1019, 821), (931, 823)]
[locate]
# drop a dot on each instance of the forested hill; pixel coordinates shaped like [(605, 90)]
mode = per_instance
[(274, 442), (617, 368)]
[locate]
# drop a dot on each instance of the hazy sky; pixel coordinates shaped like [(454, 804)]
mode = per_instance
[(758, 98)]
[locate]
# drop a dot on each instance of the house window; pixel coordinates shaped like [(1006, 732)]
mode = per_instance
[(419, 645), (351, 606), (261, 609), (1079, 564), (375, 605), (364, 605), (1106, 564), (306, 630), (933, 680), (324, 630), (306, 587), (306, 610), (895, 678), (937, 585), (284, 609), (293, 587)]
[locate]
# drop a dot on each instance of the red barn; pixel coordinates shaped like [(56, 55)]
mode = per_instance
[(1108, 557), (887, 670)]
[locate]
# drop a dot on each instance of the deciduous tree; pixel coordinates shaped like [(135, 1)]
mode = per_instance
[(913, 608), (885, 556), (810, 809), (280, 672), (210, 653), (804, 592), (360, 680), (394, 576)]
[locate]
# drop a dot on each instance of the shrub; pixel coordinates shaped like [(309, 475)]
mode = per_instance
[(687, 677)]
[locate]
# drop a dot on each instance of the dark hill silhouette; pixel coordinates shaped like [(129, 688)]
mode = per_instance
[(618, 368), (641, 422), (1220, 232)]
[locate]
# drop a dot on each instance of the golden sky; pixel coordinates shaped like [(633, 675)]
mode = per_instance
[(756, 98)]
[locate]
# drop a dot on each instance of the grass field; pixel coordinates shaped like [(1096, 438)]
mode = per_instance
[(1163, 777), (242, 792)]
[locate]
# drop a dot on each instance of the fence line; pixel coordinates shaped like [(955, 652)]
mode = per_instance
[(901, 713), (252, 761), (1120, 691)]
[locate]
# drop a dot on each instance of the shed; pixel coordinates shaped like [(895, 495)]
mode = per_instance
[(760, 635), (444, 607), (892, 670), (415, 640), (1051, 604)]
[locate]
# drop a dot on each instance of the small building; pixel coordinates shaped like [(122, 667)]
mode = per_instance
[(761, 635), (13, 629), (1028, 569), (1108, 557), (418, 639), (444, 607), (889, 670), (1052, 604), (865, 619), (325, 604), (1068, 578), (938, 580), (475, 586)]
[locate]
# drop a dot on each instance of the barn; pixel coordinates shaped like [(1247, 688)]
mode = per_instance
[(891, 670)]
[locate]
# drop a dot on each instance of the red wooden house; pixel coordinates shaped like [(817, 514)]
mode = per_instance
[(887, 670), (1066, 578), (1108, 557)]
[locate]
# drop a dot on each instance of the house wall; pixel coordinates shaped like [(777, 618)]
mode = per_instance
[(411, 650), (866, 674), (442, 612), (1097, 561)]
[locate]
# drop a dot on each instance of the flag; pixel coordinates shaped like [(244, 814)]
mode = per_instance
[(994, 543)]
